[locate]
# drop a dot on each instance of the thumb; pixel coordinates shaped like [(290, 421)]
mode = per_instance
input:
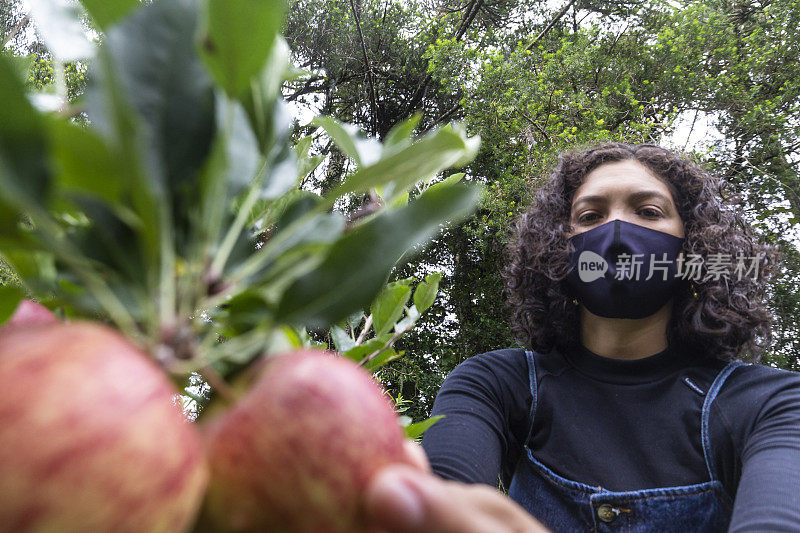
[(415, 455), (401, 499), (392, 503)]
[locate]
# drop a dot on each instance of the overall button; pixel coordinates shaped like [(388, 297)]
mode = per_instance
[(606, 513)]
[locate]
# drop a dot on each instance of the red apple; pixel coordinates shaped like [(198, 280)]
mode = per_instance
[(29, 312), (90, 439), (296, 453)]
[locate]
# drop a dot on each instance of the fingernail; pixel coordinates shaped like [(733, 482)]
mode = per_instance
[(407, 505)]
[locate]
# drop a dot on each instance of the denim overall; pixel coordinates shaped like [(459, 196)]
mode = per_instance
[(565, 505)]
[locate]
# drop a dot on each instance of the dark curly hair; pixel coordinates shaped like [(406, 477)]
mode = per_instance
[(729, 319)]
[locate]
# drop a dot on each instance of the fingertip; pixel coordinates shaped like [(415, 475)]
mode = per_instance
[(416, 456), (392, 503)]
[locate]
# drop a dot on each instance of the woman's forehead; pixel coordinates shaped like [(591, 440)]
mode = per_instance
[(627, 177)]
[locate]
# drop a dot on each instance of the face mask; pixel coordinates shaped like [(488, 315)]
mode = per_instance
[(610, 266)]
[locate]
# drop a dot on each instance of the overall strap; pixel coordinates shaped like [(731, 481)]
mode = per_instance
[(710, 396), (529, 355)]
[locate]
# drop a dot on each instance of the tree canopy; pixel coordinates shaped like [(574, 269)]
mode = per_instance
[(719, 79)]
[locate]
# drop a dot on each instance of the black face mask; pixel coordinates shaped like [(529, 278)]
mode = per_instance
[(604, 276)]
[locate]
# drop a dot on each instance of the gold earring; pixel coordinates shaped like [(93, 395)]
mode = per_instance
[(574, 301), (694, 291)]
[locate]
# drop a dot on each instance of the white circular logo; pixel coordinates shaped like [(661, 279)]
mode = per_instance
[(591, 266)]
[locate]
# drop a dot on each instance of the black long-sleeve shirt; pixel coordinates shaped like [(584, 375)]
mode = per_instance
[(627, 425)]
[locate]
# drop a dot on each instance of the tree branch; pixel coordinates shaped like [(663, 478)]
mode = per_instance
[(469, 16), (363, 335), (308, 88), (21, 24), (369, 70), (550, 25), (466, 20), (446, 115)]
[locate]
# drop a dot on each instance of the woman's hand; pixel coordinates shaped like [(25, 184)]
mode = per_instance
[(404, 499)]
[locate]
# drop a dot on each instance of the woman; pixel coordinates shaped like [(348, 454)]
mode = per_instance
[(631, 410)]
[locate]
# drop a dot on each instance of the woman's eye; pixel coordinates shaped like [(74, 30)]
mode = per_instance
[(649, 212), (587, 218)]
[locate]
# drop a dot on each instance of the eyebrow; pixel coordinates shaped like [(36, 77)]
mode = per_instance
[(633, 198)]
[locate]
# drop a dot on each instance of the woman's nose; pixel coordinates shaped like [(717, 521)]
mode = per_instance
[(620, 215)]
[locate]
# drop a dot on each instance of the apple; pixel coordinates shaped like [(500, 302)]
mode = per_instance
[(29, 312), (296, 452), (90, 436)]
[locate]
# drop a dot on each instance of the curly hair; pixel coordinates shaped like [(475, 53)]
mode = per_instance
[(729, 318)]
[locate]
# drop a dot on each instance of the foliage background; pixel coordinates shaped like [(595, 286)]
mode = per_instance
[(717, 78)]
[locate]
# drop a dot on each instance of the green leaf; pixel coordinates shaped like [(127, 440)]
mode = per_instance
[(436, 151), (296, 250), (21, 65), (107, 12), (303, 145), (215, 191), (355, 320), (357, 266), (22, 140), (412, 315), (245, 311), (268, 212), (425, 293), (281, 175), (9, 300), (237, 38), (84, 163), (150, 97), (385, 356), (346, 136), (111, 115), (241, 146), (303, 203), (24, 176), (306, 164), (108, 240), (449, 180), (164, 80), (416, 430), (358, 353), (390, 305), (400, 135), (341, 339), (266, 110)]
